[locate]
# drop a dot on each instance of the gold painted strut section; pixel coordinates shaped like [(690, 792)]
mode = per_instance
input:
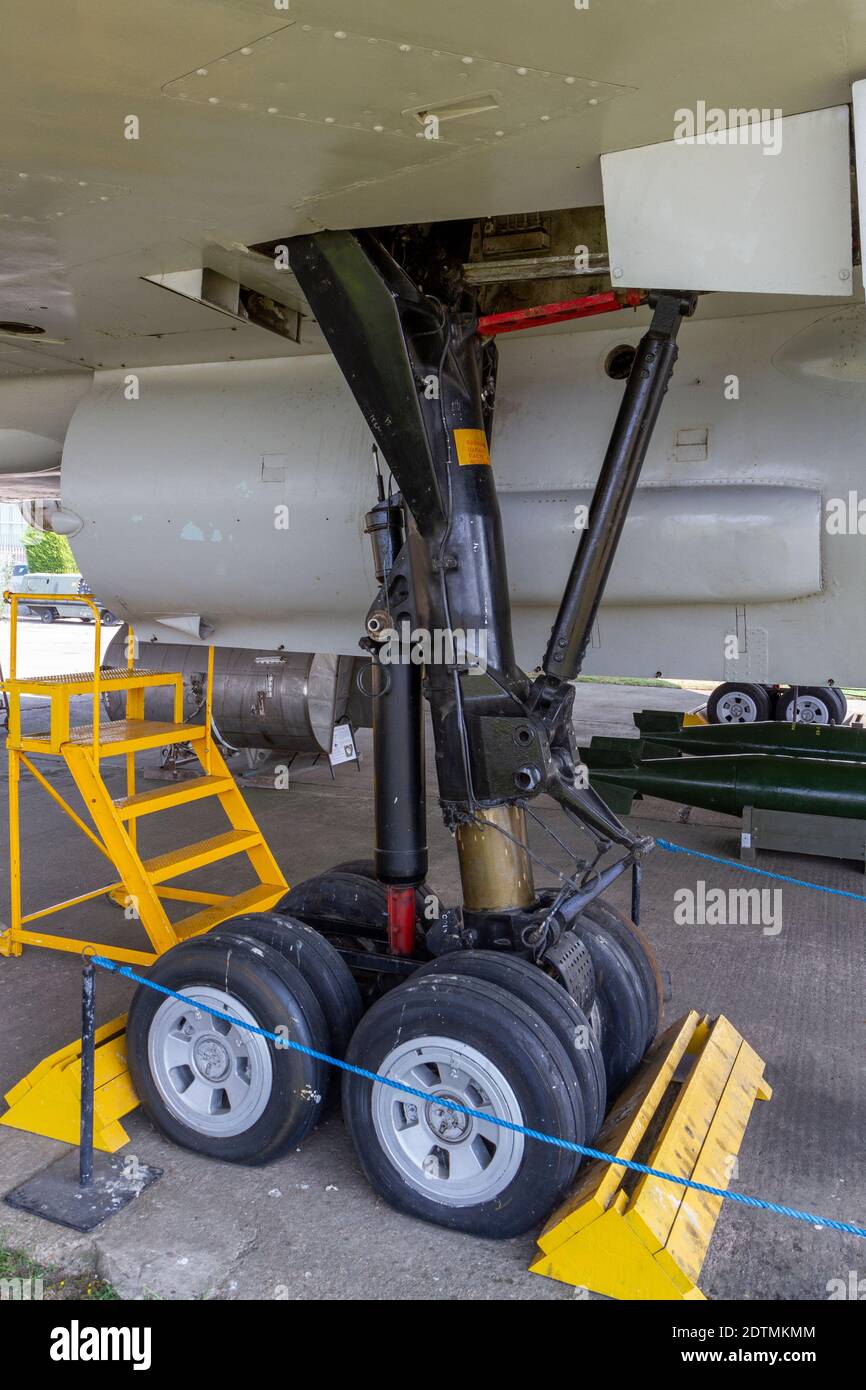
[(496, 873)]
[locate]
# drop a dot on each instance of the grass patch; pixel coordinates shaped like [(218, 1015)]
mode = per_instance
[(627, 680), (49, 1282)]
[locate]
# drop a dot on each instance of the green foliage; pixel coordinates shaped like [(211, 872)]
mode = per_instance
[(47, 553)]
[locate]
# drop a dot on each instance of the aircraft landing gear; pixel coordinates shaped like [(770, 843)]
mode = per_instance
[(525, 1005)]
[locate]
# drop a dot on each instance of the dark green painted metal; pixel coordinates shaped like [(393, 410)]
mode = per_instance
[(727, 783), (845, 742)]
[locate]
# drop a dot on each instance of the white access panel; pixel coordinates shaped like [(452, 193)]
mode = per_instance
[(858, 92), (711, 212)]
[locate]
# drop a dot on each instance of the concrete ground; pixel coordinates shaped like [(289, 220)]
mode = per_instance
[(308, 1226)]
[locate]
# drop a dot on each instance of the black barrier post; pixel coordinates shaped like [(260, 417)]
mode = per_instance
[(88, 1072), (81, 1190)]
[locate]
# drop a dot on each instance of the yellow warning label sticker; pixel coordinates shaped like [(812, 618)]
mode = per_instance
[(471, 447)]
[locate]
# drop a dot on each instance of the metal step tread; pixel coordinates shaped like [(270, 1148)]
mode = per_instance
[(188, 857), (132, 730), (109, 675), (261, 898), (163, 798)]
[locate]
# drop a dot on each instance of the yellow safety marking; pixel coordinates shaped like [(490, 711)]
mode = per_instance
[(471, 448)]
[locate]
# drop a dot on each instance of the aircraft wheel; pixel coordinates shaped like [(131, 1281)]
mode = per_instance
[(353, 901), (641, 955), (626, 1004), (215, 1088), (738, 702), (323, 968), (552, 1003), (478, 1045)]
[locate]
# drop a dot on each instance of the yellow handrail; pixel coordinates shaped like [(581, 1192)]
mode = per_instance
[(31, 600)]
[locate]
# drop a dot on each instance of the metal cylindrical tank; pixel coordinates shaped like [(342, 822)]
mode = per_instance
[(281, 700)]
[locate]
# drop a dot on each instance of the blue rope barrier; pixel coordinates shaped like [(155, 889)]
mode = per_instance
[(757, 1203), (753, 869)]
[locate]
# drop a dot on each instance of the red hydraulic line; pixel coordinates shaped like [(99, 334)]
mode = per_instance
[(491, 324), (401, 920)]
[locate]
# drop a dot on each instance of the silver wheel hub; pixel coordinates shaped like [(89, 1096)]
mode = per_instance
[(809, 711), (450, 1125), (214, 1077), (211, 1058), (736, 707), (458, 1160)]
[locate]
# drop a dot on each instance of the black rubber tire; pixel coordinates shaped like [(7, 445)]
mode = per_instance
[(106, 616), (364, 868), (276, 994), (48, 615), (757, 693), (524, 1049), (623, 1007), (552, 1003), (322, 967), (353, 901), (841, 702), (825, 693), (642, 957), (339, 899)]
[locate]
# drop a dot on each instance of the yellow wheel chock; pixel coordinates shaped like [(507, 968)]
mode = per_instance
[(698, 718), (48, 1100), (631, 1236)]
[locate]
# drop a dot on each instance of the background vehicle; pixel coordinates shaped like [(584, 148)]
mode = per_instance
[(46, 584)]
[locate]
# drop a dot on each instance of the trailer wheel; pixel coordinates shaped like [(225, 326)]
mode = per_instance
[(214, 1088), (552, 1003), (475, 1044), (623, 1006), (48, 615), (738, 702), (816, 704), (323, 968)]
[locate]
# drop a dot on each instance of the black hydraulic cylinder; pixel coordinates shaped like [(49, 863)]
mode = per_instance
[(400, 853), (644, 392)]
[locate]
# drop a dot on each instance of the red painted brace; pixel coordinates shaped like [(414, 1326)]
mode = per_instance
[(492, 324)]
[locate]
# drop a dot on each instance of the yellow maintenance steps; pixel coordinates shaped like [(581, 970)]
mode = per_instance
[(143, 883)]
